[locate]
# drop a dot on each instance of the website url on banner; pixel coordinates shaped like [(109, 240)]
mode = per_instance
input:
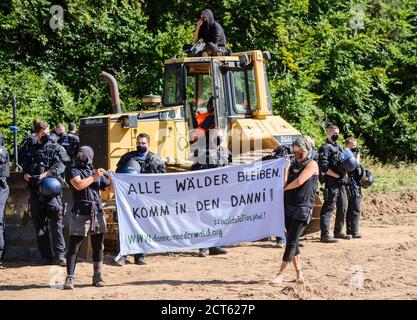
[(140, 238)]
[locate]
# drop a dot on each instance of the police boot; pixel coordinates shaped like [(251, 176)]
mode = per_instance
[(61, 262), (140, 259), (97, 280), (216, 251), (342, 235), (328, 239), (69, 283), (280, 242), (203, 253)]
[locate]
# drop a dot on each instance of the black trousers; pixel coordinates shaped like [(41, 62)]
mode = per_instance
[(47, 218), (4, 194), (353, 212), (294, 229), (97, 241), (334, 198)]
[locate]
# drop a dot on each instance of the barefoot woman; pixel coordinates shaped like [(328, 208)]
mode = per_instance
[(300, 189)]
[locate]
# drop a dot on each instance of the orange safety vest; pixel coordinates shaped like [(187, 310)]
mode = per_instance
[(199, 131)]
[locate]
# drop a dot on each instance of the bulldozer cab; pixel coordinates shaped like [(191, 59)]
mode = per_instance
[(238, 87)]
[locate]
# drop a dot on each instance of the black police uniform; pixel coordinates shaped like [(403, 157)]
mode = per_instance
[(54, 136), (330, 155), (39, 159), (71, 143), (151, 163), (4, 191), (26, 144), (354, 195)]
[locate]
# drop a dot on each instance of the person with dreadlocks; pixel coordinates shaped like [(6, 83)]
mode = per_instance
[(87, 214), (299, 193)]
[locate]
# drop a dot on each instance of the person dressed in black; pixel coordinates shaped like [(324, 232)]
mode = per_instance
[(4, 191), (25, 146), (71, 143), (330, 156), (87, 214), (46, 158), (354, 192), (148, 162), (214, 155), (212, 34), (299, 194), (58, 133)]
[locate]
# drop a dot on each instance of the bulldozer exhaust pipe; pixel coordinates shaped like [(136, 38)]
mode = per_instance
[(114, 91)]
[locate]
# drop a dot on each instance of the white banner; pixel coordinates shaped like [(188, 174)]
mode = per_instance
[(199, 209)]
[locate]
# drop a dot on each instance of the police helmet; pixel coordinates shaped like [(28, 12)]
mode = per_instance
[(367, 179), (131, 166), (128, 170), (50, 187), (349, 162)]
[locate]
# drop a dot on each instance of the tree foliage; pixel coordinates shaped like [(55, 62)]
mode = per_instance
[(349, 63)]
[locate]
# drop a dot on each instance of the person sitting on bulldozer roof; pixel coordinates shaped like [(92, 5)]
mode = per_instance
[(212, 34)]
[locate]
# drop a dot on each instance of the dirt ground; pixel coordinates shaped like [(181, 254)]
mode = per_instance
[(381, 265)]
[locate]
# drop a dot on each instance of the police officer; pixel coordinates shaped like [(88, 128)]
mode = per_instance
[(26, 144), (4, 191), (46, 158), (71, 143), (149, 163), (214, 155), (330, 156), (354, 193), (58, 133)]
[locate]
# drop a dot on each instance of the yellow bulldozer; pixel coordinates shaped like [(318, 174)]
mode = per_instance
[(238, 87)]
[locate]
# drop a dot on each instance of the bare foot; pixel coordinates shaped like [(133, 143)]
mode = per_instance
[(300, 278), (278, 279)]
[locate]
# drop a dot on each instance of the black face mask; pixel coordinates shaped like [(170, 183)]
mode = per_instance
[(142, 149), (334, 137), (44, 139), (81, 162)]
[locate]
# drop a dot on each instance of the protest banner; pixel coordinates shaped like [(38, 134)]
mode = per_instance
[(199, 209)]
